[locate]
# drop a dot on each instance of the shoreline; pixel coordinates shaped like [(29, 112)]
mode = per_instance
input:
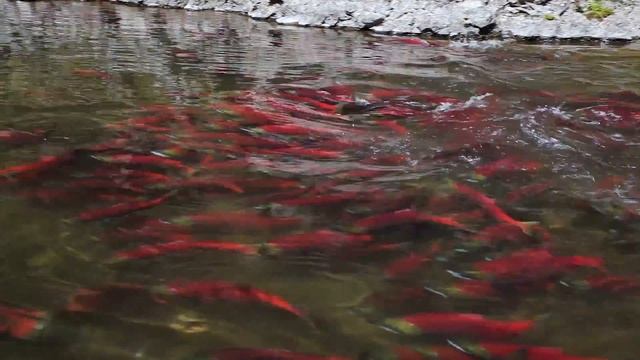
[(539, 20)]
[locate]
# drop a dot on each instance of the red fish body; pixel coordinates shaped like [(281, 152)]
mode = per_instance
[(500, 351), (361, 174), (321, 239), (319, 104), (303, 112), (115, 144), (472, 289), (613, 284), (178, 246), (250, 115), (413, 41), (491, 206), (528, 191), (502, 233), (534, 265), (224, 165), (307, 152), (292, 129), (153, 120), (17, 137), (391, 160), (405, 216), (146, 178), (506, 166), (398, 217), (269, 184), (206, 183), (340, 143), (508, 265), (411, 262), (625, 96), (43, 164), (238, 219), (207, 291), (438, 352), (151, 128), (397, 110), (330, 108), (121, 209), (615, 116), (152, 228), (441, 220), (339, 90), (611, 182), (458, 324), (393, 126), (20, 323), (406, 265), (143, 160)]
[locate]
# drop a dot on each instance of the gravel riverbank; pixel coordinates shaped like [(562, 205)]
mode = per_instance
[(539, 19)]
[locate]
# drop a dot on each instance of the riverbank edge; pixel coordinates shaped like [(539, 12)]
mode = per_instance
[(536, 20)]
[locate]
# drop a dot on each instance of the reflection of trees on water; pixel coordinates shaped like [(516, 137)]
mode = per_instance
[(230, 51)]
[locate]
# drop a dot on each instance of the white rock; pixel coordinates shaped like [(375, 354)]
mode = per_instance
[(442, 17)]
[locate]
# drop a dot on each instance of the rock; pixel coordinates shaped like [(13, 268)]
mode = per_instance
[(543, 19), (568, 23)]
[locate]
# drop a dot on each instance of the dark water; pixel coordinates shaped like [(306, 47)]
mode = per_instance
[(566, 116)]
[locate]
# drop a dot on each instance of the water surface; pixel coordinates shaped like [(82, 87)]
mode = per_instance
[(78, 71)]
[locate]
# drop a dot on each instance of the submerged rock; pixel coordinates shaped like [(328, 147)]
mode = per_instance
[(542, 19)]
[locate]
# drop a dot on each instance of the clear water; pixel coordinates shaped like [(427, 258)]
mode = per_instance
[(76, 69)]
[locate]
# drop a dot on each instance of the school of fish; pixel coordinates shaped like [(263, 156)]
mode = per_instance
[(291, 157)]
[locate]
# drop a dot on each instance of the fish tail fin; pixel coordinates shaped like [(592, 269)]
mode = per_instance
[(528, 227), (47, 133), (190, 171), (478, 177), (450, 185), (268, 249), (401, 326)]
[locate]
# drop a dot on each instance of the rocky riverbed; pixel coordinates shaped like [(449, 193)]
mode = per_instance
[(538, 19)]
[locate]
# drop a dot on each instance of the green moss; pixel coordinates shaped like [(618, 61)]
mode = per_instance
[(595, 9), (549, 17)]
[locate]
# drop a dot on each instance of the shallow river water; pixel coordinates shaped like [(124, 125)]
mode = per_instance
[(189, 167)]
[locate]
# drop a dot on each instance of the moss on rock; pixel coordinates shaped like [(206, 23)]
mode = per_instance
[(595, 9)]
